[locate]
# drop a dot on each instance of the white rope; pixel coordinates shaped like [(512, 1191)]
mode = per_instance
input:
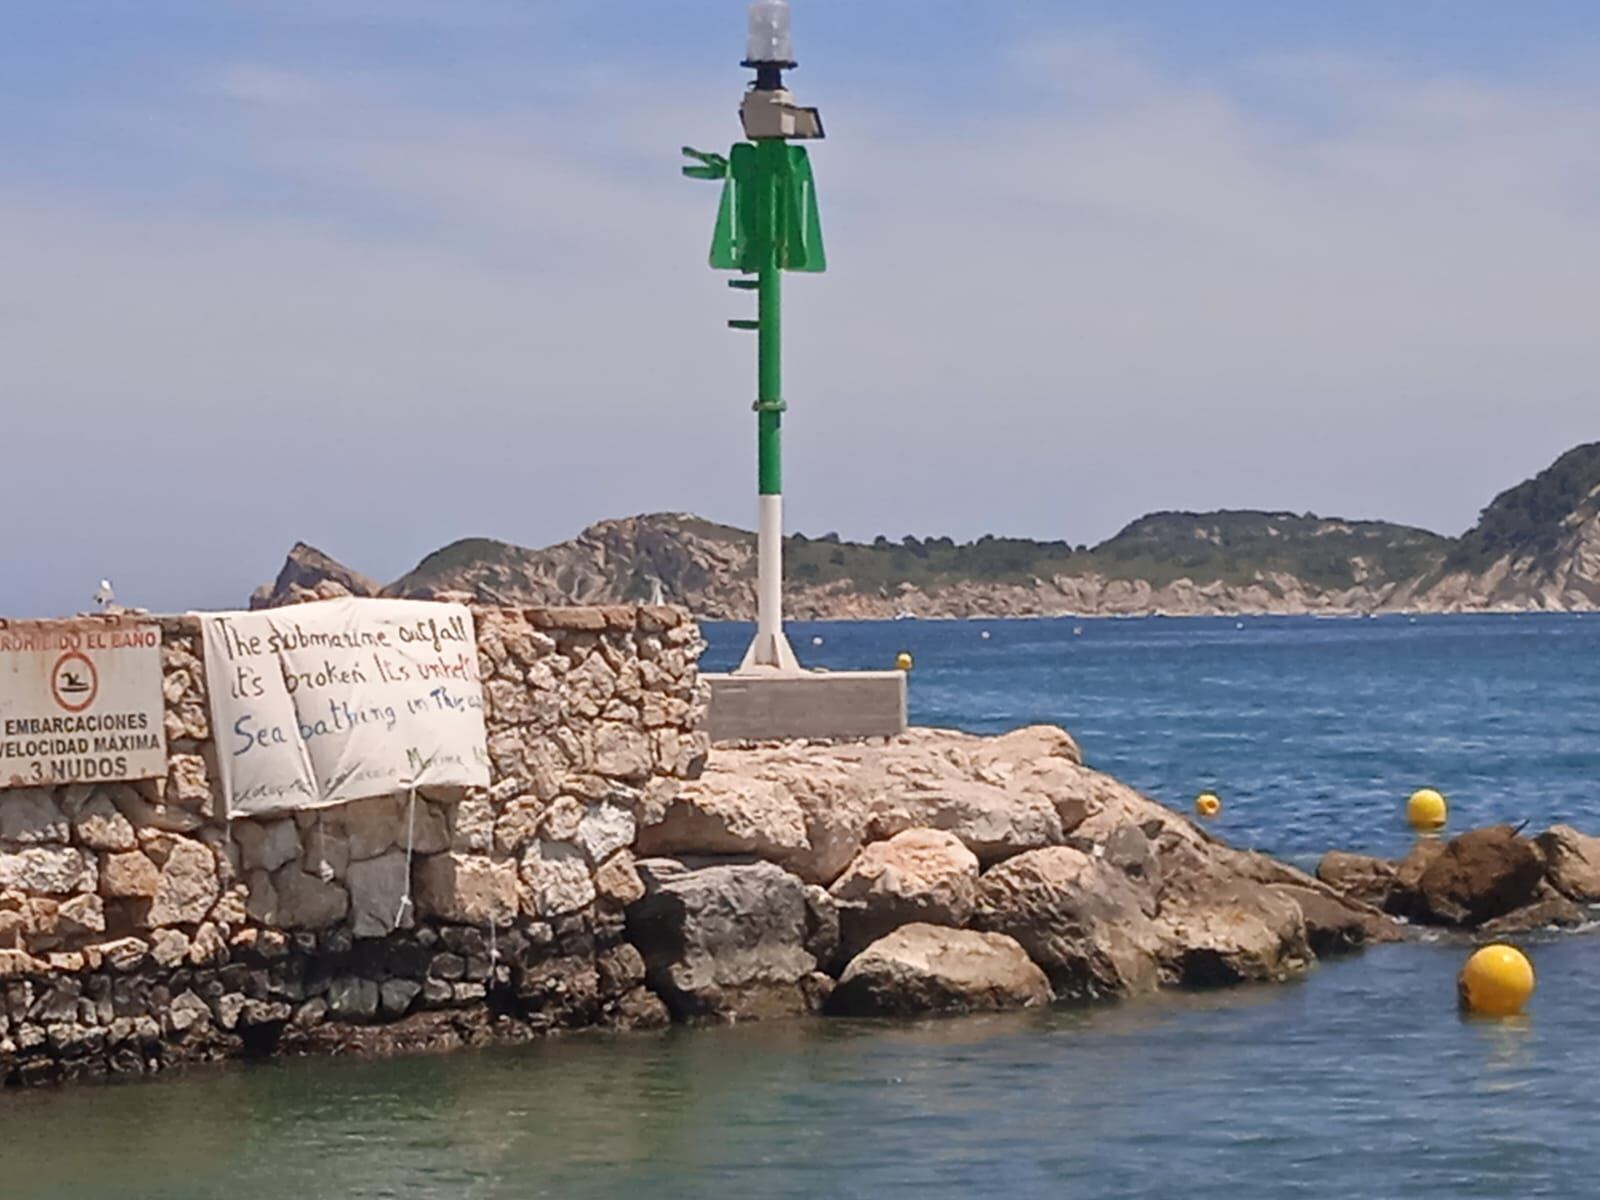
[(324, 867), (411, 828)]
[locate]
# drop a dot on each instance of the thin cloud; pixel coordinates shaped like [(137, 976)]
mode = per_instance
[(1372, 297), (270, 87)]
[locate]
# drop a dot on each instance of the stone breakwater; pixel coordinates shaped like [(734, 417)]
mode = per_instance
[(618, 873), (139, 930), (943, 871)]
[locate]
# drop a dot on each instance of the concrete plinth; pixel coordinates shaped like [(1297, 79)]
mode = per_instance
[(773, 706)]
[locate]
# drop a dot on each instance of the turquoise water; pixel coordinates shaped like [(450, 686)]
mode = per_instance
[(1361, 1081)]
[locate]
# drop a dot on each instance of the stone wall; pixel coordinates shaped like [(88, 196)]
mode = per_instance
[(138, 929)]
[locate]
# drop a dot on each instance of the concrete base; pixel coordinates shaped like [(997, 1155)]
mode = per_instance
[(762, 706)]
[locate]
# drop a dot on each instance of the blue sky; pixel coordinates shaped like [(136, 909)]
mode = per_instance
[(379, 274)]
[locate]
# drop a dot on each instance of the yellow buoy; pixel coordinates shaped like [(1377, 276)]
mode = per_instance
[(1496, 981), (1207, 804), (902, 661), (1426, 810)]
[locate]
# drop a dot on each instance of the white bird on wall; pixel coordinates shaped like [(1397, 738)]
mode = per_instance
[(103, 595)]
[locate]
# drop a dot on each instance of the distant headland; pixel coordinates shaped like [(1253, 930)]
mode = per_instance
[(1536, 547)]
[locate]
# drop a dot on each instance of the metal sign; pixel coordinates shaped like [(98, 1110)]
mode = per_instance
[(80, 702)]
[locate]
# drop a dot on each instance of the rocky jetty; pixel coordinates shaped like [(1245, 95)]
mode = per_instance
[(944, 871), (1492, 880)]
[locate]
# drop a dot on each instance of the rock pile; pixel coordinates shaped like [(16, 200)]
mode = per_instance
[(1491, 879), (946, 871)]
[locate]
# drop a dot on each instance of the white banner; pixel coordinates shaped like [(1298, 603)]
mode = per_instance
[(80, 701), (319, 704)]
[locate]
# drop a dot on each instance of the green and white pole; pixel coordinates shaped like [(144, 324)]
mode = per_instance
[(768, 223), (771, 647)]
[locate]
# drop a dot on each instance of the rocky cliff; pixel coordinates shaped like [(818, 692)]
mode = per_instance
[(1536, 547)]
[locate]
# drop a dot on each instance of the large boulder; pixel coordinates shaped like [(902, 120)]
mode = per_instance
[(721, 814), (931, 968), (723, 942), (994, 822), (1081, 920), (1572, 863), (923, 875), (1481, 875), (1218, 928), (812, 808)]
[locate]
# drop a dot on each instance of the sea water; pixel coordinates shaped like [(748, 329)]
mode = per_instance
[(1359, 1081)]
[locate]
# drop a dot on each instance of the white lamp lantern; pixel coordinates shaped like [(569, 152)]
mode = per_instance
[(769, 34)]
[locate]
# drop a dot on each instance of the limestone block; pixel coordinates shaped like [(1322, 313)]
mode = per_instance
[(48, 870), (472, 826), (188, 886), (562, 819), (99, 825), (372, 826), (169, 947), (604, 829), (208, 946), (556, 880), (82, 914), (261, 902), (507, 702), (518, 824), (128, 875), (467, 889), (617, 881), (188, 784), (622, 752)]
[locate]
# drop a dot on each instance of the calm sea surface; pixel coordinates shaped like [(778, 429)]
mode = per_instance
[(1361, 1081)]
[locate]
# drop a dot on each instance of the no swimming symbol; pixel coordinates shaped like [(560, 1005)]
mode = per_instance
[(74, 682)]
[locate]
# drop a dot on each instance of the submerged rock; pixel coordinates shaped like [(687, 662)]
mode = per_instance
[(931, 968)]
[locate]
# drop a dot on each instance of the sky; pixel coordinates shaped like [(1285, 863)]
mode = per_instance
[(381, 274)]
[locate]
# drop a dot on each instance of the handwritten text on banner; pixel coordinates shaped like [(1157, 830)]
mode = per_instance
[(319, 704)]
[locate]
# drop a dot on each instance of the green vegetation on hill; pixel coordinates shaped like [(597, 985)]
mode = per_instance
[(1528, 520), (466, 554), (1230, 547), (1236, 546), (701, 562), (925, 563)]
